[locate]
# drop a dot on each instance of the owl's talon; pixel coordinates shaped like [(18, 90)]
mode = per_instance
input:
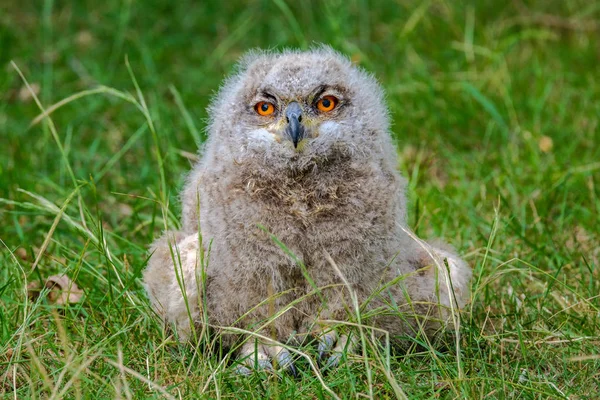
[(255, 357), (259, 357), (326, 343), (284, 360), (265, 365), (242, 370), (333, 361), (343, 343), (321, 357), (291, 369)]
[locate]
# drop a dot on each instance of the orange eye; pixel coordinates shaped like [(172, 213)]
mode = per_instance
[(264, 108), (327, 103)]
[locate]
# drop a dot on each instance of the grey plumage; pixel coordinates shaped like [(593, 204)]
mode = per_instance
[(337, 193)]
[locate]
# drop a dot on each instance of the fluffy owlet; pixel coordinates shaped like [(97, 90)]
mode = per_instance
[(299, 204)]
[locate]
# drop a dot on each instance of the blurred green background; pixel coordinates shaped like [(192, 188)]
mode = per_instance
[(495, 108)]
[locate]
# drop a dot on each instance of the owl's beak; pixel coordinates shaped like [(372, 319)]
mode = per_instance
[(294, 129)]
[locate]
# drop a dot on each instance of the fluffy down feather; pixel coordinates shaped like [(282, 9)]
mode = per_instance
[(337, 193)]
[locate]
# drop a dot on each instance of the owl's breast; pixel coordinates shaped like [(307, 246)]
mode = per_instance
[(350, 201)]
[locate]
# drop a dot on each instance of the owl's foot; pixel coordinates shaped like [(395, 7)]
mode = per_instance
[(259, 356), (331, 347)]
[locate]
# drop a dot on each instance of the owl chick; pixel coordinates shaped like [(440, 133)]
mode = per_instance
[(299, 206)]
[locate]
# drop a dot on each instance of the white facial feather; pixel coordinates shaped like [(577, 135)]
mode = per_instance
[(261, 135), (258, 140), (330, 128)]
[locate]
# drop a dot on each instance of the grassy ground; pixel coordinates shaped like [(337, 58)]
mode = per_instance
[(496, 110)]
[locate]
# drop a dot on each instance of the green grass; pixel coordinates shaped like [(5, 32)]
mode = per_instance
[(477, 93)]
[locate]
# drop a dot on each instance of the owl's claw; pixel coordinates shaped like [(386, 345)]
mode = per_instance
[(284, 360), (333, 361), (242, 370), (264, 365), (330, 356), (293, 371), (257, 357), (326, 342)]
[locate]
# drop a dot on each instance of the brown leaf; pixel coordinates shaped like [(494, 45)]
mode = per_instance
[(545, 144), (63, 290), (125, 209), (356, 58), (12, 378), (33, 290), (21, 253), (583, 241), (26, 95), (84, 39), (9, 353), (441, 386)]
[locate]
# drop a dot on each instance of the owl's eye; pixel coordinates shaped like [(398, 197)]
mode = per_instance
[(264, 108), (327, 103)]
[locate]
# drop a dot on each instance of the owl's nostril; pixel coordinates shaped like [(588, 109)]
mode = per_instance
[(299, 118), (288, 119)]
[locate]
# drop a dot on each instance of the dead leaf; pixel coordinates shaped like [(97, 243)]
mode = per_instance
[(584, 241), (26, 95), (356, 58), (50, 56), (21, 253), (33, 290), (545, 144), (441, 387), (84, 39), (125, 209), (61, 290), (12, 378), (9, 353)]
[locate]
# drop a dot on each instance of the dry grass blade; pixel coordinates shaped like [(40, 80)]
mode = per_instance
[(79, 95), (141, 377)]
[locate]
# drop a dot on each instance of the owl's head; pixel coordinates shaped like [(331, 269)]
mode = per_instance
[(298, 108)]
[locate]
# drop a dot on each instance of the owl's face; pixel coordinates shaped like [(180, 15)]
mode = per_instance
[(297, 107)]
